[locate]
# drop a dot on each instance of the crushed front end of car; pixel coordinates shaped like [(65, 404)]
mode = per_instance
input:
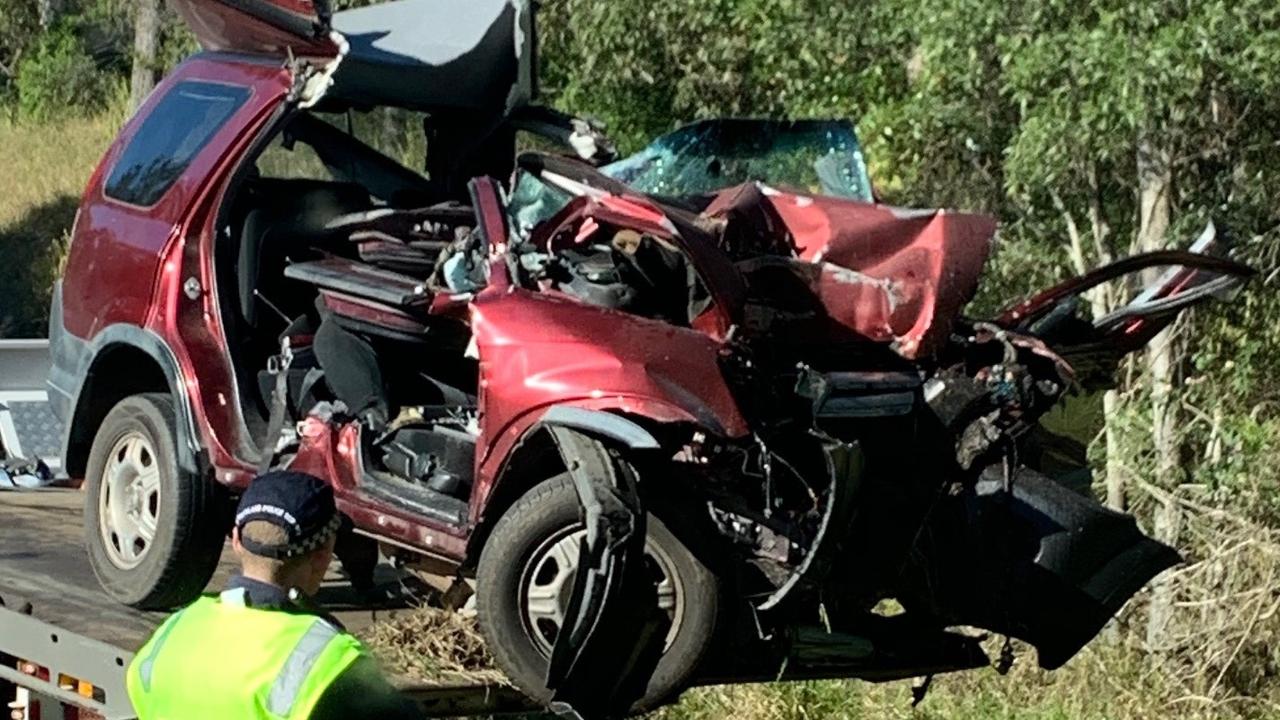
[(885, 450)]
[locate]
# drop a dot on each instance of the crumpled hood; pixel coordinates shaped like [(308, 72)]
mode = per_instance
[(890, 275)]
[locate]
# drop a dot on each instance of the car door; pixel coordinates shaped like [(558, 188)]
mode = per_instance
[(297, 28)]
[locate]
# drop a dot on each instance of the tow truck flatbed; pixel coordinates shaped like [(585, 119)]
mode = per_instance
[(42, 562)]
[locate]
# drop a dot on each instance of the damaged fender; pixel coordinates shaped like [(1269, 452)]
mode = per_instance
[(612, 637)]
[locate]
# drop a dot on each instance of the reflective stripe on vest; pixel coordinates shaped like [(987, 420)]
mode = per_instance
[(299, 665), (148, 665)]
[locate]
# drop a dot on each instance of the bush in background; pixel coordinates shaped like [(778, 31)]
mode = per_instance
[(61, 77)]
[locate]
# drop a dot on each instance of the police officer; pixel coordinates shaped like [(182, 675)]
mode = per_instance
[(259, 650)]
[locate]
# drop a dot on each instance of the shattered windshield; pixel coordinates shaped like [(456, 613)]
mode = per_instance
[(533, 202), (811, 156)]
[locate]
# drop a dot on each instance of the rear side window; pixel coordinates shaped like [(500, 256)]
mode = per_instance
[(169, 139)]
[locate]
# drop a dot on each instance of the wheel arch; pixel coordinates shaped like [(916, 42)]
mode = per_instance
[(124, 360), (534, 458)]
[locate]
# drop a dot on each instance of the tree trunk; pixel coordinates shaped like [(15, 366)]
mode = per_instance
[(1155, 183), (49, 12), (1114, 468), (1103, 300), (146, 40), (1100, 303)]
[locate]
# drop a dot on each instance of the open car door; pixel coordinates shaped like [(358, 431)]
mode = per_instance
[(1093, 348), (283, 28)]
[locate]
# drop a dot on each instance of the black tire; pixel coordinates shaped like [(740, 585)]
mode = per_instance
[(552, 508), (190, 516)]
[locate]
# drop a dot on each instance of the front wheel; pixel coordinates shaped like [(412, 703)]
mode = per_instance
[(154, 533), (525, 579)]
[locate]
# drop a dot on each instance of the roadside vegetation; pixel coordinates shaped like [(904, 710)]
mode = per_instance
[(1092, 129), (46, 167)]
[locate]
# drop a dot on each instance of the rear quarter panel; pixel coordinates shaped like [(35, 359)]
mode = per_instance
[(127, 264), (117, 249)]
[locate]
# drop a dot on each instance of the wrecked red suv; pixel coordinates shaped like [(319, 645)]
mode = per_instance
[(690, 416)]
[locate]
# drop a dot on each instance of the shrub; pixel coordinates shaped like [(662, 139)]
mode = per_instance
[(61, 75)]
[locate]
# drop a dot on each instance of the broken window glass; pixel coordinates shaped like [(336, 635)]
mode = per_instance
[(810, 156)]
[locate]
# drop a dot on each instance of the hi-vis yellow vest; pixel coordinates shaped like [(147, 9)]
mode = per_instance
[(220, 659)]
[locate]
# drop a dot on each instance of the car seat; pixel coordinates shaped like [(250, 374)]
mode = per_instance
[(287, 219)]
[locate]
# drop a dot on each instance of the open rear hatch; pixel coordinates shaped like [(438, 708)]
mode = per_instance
[(299, 28), (429, 55)]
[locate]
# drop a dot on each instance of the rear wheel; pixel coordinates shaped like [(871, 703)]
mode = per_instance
[(154, 533), (525, 578)]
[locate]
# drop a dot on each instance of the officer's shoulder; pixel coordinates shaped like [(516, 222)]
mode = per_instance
[(339, 633)]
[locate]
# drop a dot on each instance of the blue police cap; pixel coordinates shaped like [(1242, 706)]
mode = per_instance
[(300, 504)]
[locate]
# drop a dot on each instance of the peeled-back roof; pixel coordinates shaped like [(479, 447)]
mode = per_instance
[(437, 55)]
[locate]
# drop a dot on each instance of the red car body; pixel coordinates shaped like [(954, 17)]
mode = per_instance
[(122, 302), (142, 310)]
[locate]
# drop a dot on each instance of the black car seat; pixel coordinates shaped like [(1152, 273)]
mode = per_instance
[(287, 219)]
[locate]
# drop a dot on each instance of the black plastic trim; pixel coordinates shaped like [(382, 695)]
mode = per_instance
[(290, 22), (599, 422), (74, 360)]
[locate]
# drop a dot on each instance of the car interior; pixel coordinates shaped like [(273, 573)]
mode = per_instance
[(320, 219), (320, 223)]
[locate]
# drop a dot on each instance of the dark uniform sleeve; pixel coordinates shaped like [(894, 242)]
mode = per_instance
[(362, 691)]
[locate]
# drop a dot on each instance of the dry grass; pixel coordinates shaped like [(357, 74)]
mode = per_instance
[(49, 161), (433, 645), (1104, 682), (45, 167), (1221, 660)]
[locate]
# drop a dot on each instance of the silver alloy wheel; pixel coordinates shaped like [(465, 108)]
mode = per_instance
[(129, 500), (546, 583)]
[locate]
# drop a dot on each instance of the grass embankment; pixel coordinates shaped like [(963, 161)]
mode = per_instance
[(1103, 682), (44, 170)]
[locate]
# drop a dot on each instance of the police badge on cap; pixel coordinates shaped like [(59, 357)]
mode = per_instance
[(300, 504)]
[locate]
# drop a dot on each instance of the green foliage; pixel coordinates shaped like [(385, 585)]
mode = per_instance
[(60, 75), (643, 68), (36, 261), (19, 25)]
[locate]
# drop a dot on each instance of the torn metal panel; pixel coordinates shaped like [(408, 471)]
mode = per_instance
[(1038, 562), (613, 631), (538, 349), (890, 275)]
